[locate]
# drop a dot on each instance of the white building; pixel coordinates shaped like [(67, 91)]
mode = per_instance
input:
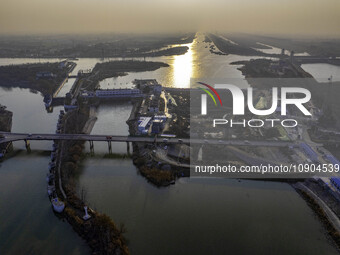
[(144, 124)]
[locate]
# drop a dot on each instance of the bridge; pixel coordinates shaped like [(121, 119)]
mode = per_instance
[(12, 137)]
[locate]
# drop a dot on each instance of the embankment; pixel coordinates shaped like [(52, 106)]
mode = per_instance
[(328, 218), (100, 232), (26, 76), (5, 126)]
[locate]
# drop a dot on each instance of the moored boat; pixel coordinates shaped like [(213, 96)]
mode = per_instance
[(50, 189), (58, 205), (47, 100)]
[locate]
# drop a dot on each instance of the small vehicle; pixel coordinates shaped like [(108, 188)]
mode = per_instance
[(180, 140), (246, 142), (220, 141), (109, 137), (165, 140), (39, 137), (29, 135), (205, 141)]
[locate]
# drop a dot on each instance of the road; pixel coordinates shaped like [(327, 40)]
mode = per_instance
[(12, 137), (332, 217)]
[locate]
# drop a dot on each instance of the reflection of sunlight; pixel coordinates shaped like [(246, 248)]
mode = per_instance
[(182, 68)]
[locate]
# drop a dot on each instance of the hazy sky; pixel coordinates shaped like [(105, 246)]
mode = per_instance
[(313, 17)]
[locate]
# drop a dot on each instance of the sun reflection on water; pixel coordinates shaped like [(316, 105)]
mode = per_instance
[(182, 68)]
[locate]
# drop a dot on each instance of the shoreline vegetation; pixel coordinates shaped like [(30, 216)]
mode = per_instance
[(227, 47), (327, 223), (324, 95), (160, 175), (5, 126), (101, 46), (26, 76), (260, 68), (100, 232), (110, 69)]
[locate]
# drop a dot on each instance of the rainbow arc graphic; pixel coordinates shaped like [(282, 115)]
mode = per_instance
[(209, 93)]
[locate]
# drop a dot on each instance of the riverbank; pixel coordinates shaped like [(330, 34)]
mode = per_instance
[(99, 231), (266, 68), (329, 219), (158, 168), (324, 95), (43, 77), (5, 126), (103, 46), (228, 47), (105, 70)]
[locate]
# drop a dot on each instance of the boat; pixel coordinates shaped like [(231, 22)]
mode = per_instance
[(58, 205), (49, 177), (47, 100), (51, 165), (50, 189)]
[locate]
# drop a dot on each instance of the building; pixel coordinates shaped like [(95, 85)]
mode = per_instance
[(144, 124), (151, 84), (44, 75), (142, 84), (157, 89), (157, 126), (62, 64), (153, 103), (160, 117), (119, 93), (88, 94)]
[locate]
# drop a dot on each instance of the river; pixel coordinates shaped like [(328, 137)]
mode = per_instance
[(194, 216), (27, 222), (322, 72)]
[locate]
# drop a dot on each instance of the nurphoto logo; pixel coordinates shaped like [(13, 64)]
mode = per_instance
[(238, 107)]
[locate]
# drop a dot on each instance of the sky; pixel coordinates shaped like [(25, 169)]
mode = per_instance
[(303, 17)]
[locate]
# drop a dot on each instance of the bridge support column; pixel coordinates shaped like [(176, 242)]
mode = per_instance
[(27, 145), (91, 147), (128, 148), (109, 144)]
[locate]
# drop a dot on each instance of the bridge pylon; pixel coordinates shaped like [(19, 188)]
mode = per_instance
[(109, 144), (27, 145), (91, 147), (128, 147)]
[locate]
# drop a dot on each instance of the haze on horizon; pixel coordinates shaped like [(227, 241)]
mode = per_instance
[(295, 17)]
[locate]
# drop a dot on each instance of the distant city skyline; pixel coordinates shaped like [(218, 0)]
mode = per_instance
[(300, 17)]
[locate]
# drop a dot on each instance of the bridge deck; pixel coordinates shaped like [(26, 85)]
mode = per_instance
[(12, 137)]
